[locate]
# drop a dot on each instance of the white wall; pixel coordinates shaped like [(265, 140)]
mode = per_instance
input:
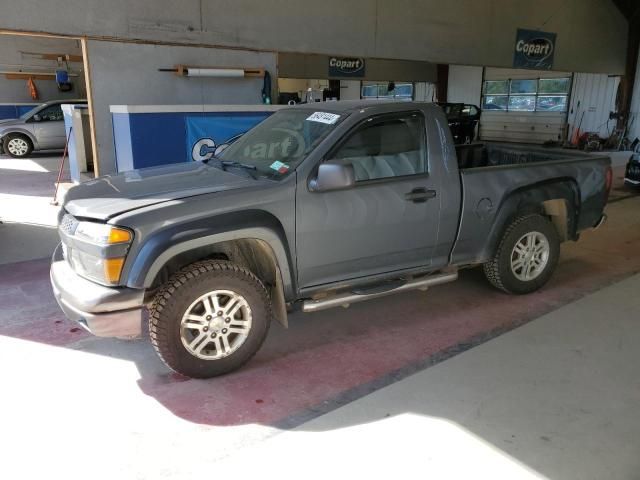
[(424, 92), (634, 117), (597, 96), (350, 89), (127, 74), (465, 84)]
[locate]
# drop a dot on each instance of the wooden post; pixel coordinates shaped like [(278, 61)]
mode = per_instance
[(92, 120)]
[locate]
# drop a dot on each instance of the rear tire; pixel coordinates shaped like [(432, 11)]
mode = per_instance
[(17, 145), (526, 256), (209, 319)]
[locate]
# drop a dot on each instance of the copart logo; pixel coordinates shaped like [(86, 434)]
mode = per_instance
[(205, 148), (347, 66), (536, 49)]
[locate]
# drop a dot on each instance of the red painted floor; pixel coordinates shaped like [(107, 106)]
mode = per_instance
[(329, 358)]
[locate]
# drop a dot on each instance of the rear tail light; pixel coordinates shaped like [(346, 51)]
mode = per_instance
[(607, 183)]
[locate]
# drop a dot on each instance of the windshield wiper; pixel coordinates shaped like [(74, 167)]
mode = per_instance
[(232, 163)]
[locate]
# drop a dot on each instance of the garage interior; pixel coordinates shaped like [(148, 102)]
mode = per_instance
[(460, 380)]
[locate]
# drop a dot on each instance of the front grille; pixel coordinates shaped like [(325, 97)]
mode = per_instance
[(68, 224)]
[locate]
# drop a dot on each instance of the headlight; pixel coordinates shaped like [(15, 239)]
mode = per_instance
[(102, 234), (99, 251)]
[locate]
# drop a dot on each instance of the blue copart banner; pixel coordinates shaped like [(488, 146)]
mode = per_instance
[(534, 49), (208, 135)]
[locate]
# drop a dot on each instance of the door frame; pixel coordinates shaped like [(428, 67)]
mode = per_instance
[(87, 81)]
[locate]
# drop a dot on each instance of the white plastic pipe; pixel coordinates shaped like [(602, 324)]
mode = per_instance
[(215, 72)]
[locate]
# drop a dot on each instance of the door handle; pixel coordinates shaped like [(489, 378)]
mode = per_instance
[(419, 195)]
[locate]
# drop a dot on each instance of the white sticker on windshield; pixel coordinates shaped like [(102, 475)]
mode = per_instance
[(324, 117)]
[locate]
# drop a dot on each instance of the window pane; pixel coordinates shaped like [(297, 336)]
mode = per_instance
[(369, 91), (526, 103), (495, 102), (554, 85), (557, 103), (495, 87), (52, 114), (469, 110), (390, 148), (523, 86), (403, 90), (381, 90)]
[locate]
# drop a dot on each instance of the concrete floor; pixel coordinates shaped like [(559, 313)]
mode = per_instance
[(557, 398), (451, 385), (27, 215)]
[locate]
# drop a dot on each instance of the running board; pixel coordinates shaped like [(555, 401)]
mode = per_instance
[(346, 299)]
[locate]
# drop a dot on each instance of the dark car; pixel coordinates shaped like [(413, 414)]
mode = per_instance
[(632, 172), (463, 120)]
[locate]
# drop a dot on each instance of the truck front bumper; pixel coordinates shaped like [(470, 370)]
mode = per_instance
[(103, 311)]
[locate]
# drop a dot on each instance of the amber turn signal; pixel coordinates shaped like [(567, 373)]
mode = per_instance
[(113, 269), (119, 235)]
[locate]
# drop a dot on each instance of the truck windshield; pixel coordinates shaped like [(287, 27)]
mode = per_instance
[(278, 144)]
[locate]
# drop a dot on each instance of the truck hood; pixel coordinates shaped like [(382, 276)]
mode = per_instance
[(108, 196)]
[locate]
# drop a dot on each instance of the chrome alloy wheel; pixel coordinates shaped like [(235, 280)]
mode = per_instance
[(18, 147), (530, 256), (216, 324)]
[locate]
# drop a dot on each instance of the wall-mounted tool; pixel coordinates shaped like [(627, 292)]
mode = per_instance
[(214, 72), (62, 80)]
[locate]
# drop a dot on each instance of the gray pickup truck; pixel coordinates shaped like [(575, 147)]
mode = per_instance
[(318, 206)]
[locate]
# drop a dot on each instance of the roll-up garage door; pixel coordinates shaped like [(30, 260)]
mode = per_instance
[(528, 106)]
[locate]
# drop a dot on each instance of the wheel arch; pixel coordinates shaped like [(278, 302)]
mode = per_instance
[(22, 132), (254, 253), (262, 248), (557, 199)]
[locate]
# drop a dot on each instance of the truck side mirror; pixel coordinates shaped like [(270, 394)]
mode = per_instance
[(333, 176), (37, 118)]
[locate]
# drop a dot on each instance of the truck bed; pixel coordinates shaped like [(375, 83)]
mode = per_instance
[(491, 174), (478, 155)]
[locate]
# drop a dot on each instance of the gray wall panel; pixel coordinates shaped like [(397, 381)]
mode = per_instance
[(591, 33), (127, 74), (15, 55)]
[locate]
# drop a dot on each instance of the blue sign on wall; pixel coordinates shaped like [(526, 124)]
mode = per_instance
[(534, 49), (208, 135), (149, 139)]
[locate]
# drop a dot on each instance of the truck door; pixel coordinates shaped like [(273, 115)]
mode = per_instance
[(49, 127), (387, 222)]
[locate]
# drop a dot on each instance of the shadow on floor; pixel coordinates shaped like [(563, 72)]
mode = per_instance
[(34, 176), (21, 242)]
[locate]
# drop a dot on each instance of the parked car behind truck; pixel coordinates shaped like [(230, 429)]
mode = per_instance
[(463, 121), (317, 206), (41, 128)]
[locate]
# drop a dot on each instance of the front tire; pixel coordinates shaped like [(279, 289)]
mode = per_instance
[(17, 145), (526, 256), (209, 319)]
